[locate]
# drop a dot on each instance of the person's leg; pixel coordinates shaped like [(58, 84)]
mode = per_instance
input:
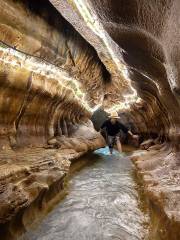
[(118, 143), (111, 149), (110, 144)]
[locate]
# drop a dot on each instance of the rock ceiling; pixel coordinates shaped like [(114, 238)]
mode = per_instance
[(137, 41)]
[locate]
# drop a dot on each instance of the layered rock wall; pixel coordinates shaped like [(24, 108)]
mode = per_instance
[(46, 73), (47, 69), (139, 40)]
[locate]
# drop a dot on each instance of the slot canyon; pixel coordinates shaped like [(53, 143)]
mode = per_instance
[(63, 65)]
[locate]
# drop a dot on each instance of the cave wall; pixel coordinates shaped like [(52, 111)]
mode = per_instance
[(142, 38), (147, 32), (50, 77)]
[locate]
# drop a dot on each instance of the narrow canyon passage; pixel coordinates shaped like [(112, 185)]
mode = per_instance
[(102, 204), (67, 66)]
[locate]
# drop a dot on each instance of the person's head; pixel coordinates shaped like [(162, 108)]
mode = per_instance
[(114, 117)]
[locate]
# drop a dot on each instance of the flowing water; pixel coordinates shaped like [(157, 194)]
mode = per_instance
[(102, 204)]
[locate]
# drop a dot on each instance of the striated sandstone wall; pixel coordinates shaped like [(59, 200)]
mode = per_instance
[(50, 77), (139, 42), (47, 69)]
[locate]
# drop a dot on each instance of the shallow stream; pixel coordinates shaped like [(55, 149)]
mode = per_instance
[(102, 204)]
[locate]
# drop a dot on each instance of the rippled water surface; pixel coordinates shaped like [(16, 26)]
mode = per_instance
[(102, 204)]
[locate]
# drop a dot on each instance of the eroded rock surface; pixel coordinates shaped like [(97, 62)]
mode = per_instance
[(27, 173), (160, 172), (46, 68)]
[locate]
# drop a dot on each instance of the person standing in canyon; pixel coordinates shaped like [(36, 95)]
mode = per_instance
[(112, 128)]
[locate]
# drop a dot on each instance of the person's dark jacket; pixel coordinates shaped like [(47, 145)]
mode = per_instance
[(114, 129)]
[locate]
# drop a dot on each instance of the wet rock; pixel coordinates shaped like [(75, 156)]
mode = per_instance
[(147, 144), (53, 143), (160, 173)]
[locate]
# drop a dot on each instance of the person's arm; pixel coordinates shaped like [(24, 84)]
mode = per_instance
[(133, 135), (127, 131), (130, 133)]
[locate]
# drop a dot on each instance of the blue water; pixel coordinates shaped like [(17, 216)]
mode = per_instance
[(105, 151)]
